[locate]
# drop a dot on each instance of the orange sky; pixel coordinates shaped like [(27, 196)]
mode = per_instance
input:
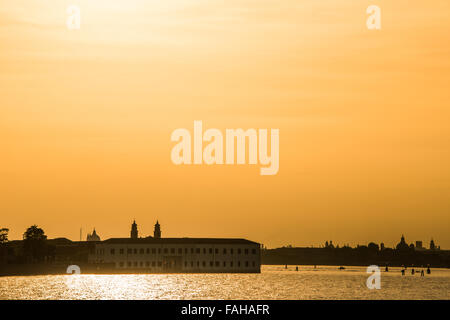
[(364, 118)]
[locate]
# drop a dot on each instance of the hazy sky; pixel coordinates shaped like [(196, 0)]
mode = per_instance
[(364, 118)]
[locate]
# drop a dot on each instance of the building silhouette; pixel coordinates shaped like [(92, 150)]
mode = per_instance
[(92, 236), (134, 231), (156, 254), (402, 245), (157, 231), (432, 245)]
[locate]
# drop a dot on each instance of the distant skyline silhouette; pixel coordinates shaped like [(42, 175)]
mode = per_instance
[(94, 235)]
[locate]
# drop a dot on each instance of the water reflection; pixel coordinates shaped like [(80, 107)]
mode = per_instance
[(275, 282)]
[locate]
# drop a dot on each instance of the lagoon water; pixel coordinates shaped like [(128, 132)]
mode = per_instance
[(274, 282)]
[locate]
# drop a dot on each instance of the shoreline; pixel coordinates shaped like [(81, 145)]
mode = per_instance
[(24, 270), (19, 270)]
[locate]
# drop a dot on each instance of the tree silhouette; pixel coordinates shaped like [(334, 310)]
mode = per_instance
[(4, 235), (34, 244)]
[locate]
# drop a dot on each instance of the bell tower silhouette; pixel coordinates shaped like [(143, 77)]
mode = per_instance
[(134, 230), (157, 232)]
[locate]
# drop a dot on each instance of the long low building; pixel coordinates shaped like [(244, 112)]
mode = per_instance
[(156, 254), (179, 254)]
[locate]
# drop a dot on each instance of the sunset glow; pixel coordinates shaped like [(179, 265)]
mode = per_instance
[(86, 118)]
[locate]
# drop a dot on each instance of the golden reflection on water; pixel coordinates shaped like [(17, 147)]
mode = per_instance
[(326, 282)]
